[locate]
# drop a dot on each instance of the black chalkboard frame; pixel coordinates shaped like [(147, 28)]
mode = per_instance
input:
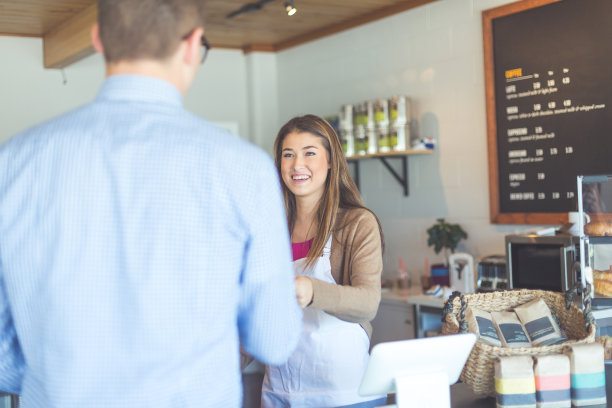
[(496, 216)]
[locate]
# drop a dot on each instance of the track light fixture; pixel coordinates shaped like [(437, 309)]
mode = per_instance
[(290, 8)]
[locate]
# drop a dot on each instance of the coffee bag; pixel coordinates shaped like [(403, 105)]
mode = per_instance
[(538, 321), (515, 382), (510, 330), (552, 381), (481, 323), (588, 375)]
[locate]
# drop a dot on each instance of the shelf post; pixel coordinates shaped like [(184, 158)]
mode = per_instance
[(403, 179)]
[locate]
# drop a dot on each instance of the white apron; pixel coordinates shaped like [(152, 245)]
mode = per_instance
[(326, 368)]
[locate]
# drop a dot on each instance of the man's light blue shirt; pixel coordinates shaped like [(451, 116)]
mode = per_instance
[(138, 244)]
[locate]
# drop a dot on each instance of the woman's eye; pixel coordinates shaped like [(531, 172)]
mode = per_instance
[(310, 153), (287, 155)]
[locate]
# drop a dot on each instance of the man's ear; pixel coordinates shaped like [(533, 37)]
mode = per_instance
[(192, 51), (95, 39)]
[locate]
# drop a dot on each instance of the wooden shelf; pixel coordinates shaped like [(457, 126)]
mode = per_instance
[(392, 153), (402, 179)]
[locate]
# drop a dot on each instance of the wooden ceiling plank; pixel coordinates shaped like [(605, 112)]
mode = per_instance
[(71, 40), (35, 18)]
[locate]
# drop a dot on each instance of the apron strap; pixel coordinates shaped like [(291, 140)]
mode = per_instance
[(327, 248)]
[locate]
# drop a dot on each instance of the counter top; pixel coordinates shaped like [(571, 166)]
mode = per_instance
[(412, 296)]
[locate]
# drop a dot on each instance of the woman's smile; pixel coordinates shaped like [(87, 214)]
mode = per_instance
[(300, 178)]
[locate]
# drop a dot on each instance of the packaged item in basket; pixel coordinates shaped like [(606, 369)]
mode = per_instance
[(481, 323), (552, 381), (515, 382), (538, 322), (510, 330), (588, 375)]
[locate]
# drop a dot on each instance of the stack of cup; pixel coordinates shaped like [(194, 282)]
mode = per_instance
[(371, 127), (365, 131), (381, 118), (347, 137), (399, 128), (361, 137)]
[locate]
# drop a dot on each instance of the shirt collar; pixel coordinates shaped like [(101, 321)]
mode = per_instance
[(129, 87)]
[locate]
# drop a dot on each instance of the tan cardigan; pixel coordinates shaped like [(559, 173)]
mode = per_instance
[(356, 263)]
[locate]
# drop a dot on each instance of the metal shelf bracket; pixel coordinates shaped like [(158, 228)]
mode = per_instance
[(402, 178)]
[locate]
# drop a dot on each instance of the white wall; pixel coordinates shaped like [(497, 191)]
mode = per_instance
[(263, 98), (432, 54), (219, 92), (30, 94)]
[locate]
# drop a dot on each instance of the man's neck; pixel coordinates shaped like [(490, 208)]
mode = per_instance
[(149, 68)]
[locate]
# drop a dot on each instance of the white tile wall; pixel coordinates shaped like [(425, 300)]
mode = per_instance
[(434, 55)]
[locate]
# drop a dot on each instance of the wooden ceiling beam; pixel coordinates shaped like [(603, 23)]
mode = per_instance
[(70, 41)]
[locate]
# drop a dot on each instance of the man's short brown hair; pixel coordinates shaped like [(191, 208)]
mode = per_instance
[(146, 29)]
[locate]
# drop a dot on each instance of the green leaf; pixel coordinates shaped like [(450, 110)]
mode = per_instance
[(443, 235)]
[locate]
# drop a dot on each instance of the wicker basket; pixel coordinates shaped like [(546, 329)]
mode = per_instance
[(478, 372)]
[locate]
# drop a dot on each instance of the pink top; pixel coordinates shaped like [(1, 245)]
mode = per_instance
[(300, 249)]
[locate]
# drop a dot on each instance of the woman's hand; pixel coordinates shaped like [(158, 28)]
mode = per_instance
[(303, 290)]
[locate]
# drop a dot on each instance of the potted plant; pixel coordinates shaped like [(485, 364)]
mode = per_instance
[(444, 236)]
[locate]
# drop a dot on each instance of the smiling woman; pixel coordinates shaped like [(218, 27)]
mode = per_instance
[(337, 253)]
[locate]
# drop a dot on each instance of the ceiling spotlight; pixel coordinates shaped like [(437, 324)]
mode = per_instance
[(290, 8)]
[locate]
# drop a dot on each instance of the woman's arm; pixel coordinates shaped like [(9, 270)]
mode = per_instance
[(356, 261)]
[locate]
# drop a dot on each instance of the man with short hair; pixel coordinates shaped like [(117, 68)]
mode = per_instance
[(139, 244)]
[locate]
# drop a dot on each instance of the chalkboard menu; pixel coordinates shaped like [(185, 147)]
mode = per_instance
[(548, 67)]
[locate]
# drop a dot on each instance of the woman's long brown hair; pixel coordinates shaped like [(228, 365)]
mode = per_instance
[(340, 189)]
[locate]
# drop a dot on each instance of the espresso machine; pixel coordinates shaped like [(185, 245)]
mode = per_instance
[(491, 274)]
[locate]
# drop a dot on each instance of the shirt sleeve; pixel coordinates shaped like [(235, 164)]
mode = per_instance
[(269, 318), (11, 357)]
